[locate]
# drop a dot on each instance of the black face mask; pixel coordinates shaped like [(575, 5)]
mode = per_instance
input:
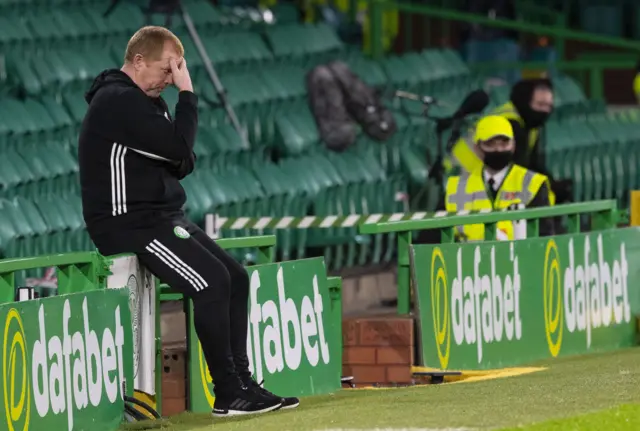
[(521, 95), (498, 160), (535, 119)]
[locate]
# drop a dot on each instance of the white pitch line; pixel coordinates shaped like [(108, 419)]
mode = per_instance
[(398, 429)]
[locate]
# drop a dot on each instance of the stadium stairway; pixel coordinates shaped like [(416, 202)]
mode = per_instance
[(54, 49)]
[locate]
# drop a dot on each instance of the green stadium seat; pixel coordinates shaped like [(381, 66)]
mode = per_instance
[(44, 124), (422, 69), (22, 76), (15, 38), (25, 222), (8, 231), (303, 44), (398, 72), (455, 64), (92, 15), (60, 117), (13, 172), (236, 51), (16, 120), (201, 199), (369, 71), (297, 132), (124, 20), (285, 82), (52, 72), (204, 15), (75, 104), (54, 48)]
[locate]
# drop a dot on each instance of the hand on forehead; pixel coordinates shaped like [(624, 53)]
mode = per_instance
[(178, 60)]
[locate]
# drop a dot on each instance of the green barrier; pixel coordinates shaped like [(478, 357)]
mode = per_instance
[(501, 304), (215, 223), (76, 272), (66, 361), (80, 272), (335, 292), (604, 215), (293, 332)]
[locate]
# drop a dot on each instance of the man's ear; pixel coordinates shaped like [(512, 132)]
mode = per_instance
[(478, 151), (138, 61)]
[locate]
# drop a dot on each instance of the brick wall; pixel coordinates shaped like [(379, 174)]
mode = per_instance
[(173, 381), (378, 350)]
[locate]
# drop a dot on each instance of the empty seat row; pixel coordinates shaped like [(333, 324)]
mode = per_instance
[(325, 184), (57, 70), (39, 25), (60, 71), (38, 170), (42, 226), (38, 30), (33, 121), (600, 153)]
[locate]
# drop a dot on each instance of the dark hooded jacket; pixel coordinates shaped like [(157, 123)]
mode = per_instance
[(132, 154), (521, 94)]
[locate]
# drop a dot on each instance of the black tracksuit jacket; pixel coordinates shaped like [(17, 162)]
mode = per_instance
[(132, 155)]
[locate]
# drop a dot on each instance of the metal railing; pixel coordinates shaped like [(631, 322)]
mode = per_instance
[(378, 7), (604, 216), (86, 271), (559, 32)]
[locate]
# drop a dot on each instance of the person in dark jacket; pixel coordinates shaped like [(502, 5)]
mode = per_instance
[(533, 102), (529, 107), (132, 156)]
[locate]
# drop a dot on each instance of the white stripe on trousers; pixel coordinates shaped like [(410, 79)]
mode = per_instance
[(118, 180), (174, 262)]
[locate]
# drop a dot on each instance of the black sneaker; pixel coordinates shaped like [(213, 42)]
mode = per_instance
[(244, 401), (287, 402)]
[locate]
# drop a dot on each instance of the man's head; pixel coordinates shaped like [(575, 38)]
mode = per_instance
[(533, 99), (147, 57), (542, 98), (494, 139)]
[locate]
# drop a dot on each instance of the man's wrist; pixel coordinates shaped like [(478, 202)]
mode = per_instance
[(188, 97)]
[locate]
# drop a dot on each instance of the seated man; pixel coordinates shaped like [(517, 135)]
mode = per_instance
[(498, 185)]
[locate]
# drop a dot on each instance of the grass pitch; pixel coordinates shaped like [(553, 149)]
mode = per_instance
[(599, 392)]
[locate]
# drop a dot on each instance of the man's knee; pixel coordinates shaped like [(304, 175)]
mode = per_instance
[(218, 286)]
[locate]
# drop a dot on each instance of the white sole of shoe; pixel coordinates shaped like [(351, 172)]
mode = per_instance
[(243, 413), (292, 406)]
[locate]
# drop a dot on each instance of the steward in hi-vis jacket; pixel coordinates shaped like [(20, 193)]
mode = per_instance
[(498, 183)]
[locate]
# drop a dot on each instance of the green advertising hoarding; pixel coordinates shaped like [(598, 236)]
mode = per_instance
[(499, 304), (64, 361), (293, 342)]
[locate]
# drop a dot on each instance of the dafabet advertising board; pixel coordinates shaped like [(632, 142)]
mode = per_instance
[(498, 304), (292, 339), (65, 361)]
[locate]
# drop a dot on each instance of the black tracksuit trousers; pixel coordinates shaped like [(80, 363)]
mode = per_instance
[(197, 267)]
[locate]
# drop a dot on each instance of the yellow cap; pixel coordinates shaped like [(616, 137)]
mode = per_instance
[(491, 127)]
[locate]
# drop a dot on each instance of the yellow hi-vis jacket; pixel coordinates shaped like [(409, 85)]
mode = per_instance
[(636, 87), (467, 192), (462, 153)]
